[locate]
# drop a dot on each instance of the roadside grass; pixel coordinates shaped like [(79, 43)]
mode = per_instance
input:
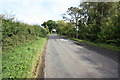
[(101, 45), (20, 62), (0, 62)]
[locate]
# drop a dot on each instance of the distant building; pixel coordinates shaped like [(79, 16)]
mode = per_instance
[(53, 30)]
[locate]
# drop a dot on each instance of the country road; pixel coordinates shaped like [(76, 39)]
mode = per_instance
[(66, 59)]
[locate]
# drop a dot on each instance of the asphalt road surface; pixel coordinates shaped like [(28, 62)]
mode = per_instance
[(66, 59)]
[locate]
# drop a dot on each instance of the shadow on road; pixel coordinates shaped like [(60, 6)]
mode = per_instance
[(111, 54)]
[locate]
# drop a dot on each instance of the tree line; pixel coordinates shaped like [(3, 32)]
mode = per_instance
[(92, 21)]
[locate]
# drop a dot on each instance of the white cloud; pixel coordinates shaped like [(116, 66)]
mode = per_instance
[(37, 11)]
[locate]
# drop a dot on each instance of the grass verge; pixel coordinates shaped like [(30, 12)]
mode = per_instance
[(21, 62), (101, 45)]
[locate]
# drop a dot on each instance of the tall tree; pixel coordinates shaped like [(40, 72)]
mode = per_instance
[(73, 15), (50, 24)]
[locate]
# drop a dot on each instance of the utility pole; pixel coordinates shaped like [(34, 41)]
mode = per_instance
[(76, 25), (77, 31)]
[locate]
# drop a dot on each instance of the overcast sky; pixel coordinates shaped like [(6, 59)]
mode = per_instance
[(36, 11)]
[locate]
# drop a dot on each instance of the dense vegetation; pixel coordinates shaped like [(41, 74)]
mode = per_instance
[(17, 33), (22, 45), (98, 22)]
